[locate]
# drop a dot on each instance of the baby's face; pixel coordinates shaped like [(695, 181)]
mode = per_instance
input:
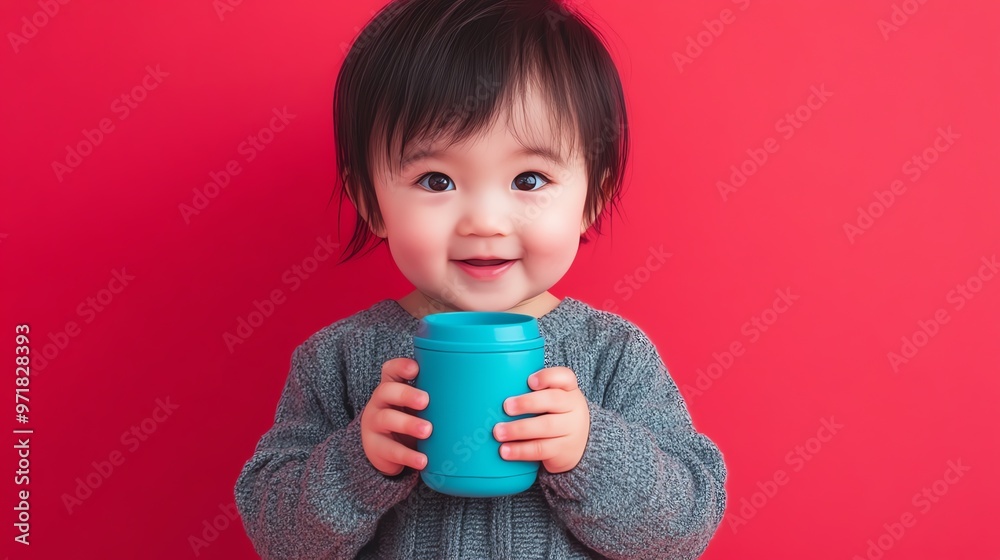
[(486, 198)]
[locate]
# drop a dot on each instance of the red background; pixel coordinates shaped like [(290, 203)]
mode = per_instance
[(827, 356)]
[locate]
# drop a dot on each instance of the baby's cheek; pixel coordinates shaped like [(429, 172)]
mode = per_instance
[(552, 234), (417, 253)]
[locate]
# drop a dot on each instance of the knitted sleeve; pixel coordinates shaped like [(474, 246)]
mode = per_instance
[(309, 491), (648, 484)]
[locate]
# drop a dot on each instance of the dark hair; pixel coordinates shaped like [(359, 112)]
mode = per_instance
[(424, 69)]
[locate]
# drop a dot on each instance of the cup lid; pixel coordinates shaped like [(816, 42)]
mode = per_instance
[(478, 331)]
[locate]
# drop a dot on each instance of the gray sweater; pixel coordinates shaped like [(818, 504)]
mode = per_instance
[(648, 485)]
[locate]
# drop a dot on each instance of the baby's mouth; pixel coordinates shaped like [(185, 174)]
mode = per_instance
[(479, 262)]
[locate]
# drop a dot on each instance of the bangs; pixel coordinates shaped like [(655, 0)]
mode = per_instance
[(469, 104)]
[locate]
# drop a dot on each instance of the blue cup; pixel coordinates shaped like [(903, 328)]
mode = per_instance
[(470, 363)]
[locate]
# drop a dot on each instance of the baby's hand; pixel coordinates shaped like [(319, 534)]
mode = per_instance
[(558, 435), (388, 433)]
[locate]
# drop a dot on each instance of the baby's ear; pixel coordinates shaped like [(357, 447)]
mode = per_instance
[(589, 220), (349, 189), (378, 232), (359, 204)]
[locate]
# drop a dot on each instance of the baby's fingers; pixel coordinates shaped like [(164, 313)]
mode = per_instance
[(400, 394), (393, 456), (399, 370), (395, 421)]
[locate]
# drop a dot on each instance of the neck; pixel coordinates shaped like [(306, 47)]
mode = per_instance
[(419, 305)]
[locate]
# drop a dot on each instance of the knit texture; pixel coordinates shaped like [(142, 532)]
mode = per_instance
[(648, 485)]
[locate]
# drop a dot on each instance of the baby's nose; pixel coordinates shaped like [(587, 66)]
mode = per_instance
[(486, 215)]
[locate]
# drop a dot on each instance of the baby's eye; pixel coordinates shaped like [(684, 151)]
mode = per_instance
[(529, 181), (525, 182), (439, 180)]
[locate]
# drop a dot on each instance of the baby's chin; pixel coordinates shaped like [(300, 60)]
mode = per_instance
[(440, 303), (513, 303), (481, 306)]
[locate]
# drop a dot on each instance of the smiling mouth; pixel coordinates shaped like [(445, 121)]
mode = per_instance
[(479, 262), (485, 269)]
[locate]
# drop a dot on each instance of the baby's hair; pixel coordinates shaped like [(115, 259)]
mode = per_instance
[(421, 70)]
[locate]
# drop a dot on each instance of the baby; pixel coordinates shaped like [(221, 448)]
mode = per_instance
[(481, 140)]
